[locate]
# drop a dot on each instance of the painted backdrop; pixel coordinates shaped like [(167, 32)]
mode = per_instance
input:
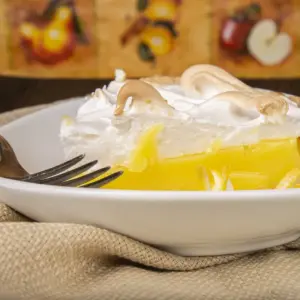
[(90, 38)]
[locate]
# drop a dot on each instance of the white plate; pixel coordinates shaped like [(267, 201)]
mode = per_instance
[(185, 223)]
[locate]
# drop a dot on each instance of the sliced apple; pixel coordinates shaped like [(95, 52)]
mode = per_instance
[(267, 45)]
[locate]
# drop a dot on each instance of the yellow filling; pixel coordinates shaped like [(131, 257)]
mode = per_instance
[(267, 165)]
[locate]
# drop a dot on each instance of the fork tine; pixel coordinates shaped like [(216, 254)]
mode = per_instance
[(54, 170), (85, 178), (101, 182), (56, 180)]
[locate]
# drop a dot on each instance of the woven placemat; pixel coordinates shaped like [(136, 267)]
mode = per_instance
[(66, 261)]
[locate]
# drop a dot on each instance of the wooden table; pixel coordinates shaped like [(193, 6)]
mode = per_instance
[(19, 92)]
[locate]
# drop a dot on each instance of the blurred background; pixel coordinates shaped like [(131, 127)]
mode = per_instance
[(56, 49)]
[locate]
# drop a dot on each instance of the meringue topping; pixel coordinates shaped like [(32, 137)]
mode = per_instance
[(206, 103)]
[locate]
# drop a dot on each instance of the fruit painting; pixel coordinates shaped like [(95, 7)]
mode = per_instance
[(91, 38), (252, 39), (147, 37), (52, 36), (155, 26)]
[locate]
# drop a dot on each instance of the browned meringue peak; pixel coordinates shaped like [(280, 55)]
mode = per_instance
[(292, 98), (266, 104), (213, 83), (162, 80), (207, 81), (144, 98)]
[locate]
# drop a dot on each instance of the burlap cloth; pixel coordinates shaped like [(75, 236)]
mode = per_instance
[(64, 261)]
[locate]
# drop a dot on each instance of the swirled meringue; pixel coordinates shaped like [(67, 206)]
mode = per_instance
[(220, 107)]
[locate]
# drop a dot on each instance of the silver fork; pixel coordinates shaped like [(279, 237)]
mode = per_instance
[(59, 175)]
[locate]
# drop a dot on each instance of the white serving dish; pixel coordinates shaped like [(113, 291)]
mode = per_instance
[(185, 223)]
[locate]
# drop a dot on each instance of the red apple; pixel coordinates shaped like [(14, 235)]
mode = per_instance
[(234, 33)]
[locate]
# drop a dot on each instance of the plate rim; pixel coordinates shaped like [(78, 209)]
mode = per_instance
[(146, 195)]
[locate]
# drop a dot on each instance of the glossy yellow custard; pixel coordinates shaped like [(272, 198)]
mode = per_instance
[(266, 165)]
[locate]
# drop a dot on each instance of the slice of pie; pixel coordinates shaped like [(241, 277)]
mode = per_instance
[(205, 130)]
